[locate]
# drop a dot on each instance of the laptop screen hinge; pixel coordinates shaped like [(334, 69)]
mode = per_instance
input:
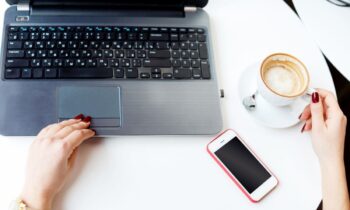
[(190, 9)]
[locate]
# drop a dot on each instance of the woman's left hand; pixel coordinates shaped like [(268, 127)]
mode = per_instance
[(51, 157)]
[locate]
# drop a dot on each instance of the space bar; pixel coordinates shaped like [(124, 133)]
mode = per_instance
[(85, 73)]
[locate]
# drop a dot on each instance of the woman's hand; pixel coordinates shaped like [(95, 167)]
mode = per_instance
[(51, 156), (327, 124)]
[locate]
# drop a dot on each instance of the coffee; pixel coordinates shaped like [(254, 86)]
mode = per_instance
[(282, 79), (284, 75), (285, 81)]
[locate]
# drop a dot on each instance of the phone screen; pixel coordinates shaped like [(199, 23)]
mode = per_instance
[(242, 164)]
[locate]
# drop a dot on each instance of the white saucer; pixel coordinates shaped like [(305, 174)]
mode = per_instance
[(266, 113)]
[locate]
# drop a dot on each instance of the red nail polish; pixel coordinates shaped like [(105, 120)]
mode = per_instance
[(87, 119), (315, 97), (302, 130), (79, 117)]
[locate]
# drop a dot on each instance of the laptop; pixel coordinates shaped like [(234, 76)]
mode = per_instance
[(136, 67)]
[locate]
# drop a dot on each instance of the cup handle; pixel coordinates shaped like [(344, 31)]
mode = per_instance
[(308, 94)]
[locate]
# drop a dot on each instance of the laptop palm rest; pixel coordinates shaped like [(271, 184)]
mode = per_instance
[(102, 103)]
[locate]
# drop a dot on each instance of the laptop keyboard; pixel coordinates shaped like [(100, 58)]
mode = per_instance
[(95, 52)]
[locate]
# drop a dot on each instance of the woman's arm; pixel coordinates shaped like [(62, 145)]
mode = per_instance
[(328, 125), (334, 187)]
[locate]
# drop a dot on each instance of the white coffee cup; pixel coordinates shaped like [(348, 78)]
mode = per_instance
[(282, 79)]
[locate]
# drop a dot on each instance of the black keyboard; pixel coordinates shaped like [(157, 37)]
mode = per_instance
[(109, 52)]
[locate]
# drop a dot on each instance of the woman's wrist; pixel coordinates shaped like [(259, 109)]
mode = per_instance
[(331, 165), (36, 201)]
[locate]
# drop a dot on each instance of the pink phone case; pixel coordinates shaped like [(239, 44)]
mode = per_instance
[(229, 173)]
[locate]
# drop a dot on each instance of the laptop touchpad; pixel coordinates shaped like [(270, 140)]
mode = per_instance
[(102, 103)]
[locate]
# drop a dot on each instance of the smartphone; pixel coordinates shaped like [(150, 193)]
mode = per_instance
[(240, 163)]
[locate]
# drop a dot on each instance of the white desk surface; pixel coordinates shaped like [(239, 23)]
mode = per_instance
[(175, 172), (329, 26)]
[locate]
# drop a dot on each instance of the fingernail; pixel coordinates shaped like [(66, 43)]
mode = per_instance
[(299, 116), (302, 130), (79, 117), (87, 119), (315, 97)]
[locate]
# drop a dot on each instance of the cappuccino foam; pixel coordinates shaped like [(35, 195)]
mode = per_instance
[(283, 81)]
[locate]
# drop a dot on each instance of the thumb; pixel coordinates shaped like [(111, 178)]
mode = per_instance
[(316, 112)]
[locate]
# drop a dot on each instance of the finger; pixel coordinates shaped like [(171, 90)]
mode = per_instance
[(316, 107), (53, 128), (329, 99), (69, 129), (308, 125), (332, 107), (306, 114), (75, 138)]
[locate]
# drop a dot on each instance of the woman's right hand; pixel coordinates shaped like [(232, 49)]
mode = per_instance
[(327, 123)]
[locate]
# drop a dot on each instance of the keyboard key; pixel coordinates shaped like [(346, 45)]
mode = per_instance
[(196, 73), (132, 73), (158, 37), (205, 69), (159, 54), (174, 37), (119, 73), (195, 64), (201, 38), (23, 29), (85, 73), (200, 31), (183, 37), (13, 36), (156, 71), (12, 73), (13, 28), (186, 63), (184, 46), (37, 73), (176, 63), (26, 73), (145, 75), (15, 54), (50, 73), (193, 46), (185, 55), (154, 29), (183, 30), (192, 37), (203, 51), (175, 45), (167, 75), (194, 55), (176, 54), (16, 63), (191, 30), (157, 63), (182, 73), (162, 45), (14, 45), (156, 76)]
